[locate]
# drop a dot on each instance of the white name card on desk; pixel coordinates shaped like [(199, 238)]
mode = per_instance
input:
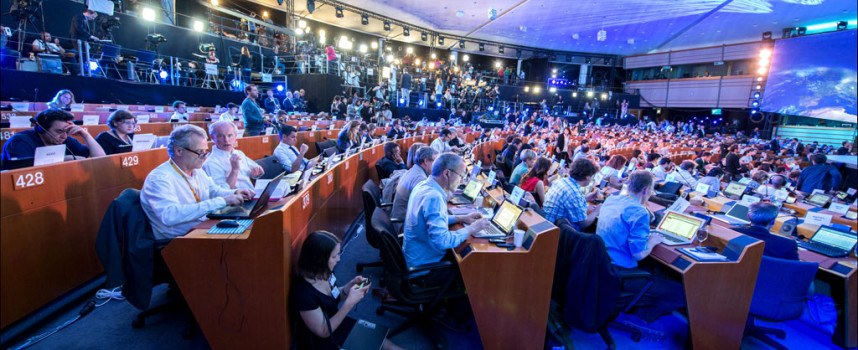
[(19, 122), (76, 107), (702, 188), (781, 195), (191, 109), (745, 180), (670, 177), (313, 128), (142, 142), (748, 199), (20, 106), (122, 108), (49, 155), (817, 219), (839, 208), (90, 120), (517, 193), (679, 205), (851, 191), (817, 191), (142, 119), (240, 133), (159, 109)]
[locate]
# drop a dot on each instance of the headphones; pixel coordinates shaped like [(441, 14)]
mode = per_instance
[(38, 126)]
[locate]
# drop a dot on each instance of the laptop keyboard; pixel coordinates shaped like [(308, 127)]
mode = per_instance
[(672, 239), (822, 249)]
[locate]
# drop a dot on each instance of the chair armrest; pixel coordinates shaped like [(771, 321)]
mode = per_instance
[(397, 221), (633, 274), (385, 205), (429, 267)]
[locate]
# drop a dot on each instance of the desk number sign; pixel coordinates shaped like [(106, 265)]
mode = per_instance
[(27, 180), (130, 161)]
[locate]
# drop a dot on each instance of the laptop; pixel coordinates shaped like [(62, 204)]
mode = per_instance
[(831, 242), (670, 187), (737, 215), (503, 222), (678, 228), (818, 199), (469, 194), (249, 209), (735, 190)]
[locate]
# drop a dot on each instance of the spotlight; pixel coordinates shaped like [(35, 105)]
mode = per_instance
[(767, 35), (424, 36), (500, 50), (302, 24), (755, 104), (363, 48), (321, 32), (401, 101), (364, 19), (461, 44), (497, 64), (280, 88), (526, 88), (537, 89), (431, 65), (761, 70), (482, 47), (756, 95), (438, 105), (198, 26), (758, 87), (148, 14), (163, 75), (387, 26), (604, 96), (466, 58), (552, 90), (842, 25), (265, 14), (389, 58), (406, 31), (339, 12), (759, 78), (417, 61), (491, 108), (434, 56), (420, 103), (215, 3), (311, 6), (440, 40), (589, 94), (765, 53), (93, 66), (373, 45), (754, 111), (574, 95)]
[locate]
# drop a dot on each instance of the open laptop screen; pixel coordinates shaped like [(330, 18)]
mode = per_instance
[(739, 212), (819, 199), (735, 189), (680, 225), (507, 216), (472, 189), (835, 238)]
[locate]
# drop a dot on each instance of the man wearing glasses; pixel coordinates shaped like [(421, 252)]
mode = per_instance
[(177, 194), (53, 127), (427, 233)]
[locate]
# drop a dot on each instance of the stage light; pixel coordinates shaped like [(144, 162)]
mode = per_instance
[(604, 96), (215, 3), (302, 24), (431, 65), (338, 11), (373, 45), (363, 48), (589, 94), (322, 40), (198, 26), (417, 62), (537, 89), (482, 47), (420, 103), (755, 104), (758, 87), (321, 32), (389, 58), (396, 61), (757, 95), (424, 36), (767, 35), (307, 30), (466, 58), (497, 64), (148, 14), (364, 19), (461, 44), (264, 14), (764, 62), (552, 90), (387, 26), (280, 88), (574, 95), (765, 53), (438, 105), (761, 70), (491, 108), (401, 101), (440, 40), (754, 111), (434, 56), (93, 66), (406, 31), (452, 56), (526, 88), (163, 75), (759, 78), (409, 50)]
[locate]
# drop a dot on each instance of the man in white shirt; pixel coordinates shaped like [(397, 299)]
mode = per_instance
[(423, 160), (441, 144), (180, 114), (228, 166), (52, 47), (177, 195), (664, 166), (684, 175), (231, 113), (287, 154)]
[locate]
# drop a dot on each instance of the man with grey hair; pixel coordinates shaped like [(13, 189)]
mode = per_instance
[(427, 232), (226, 165), (762, 215), (423, 159), (528, 158), (177, 195), (624, 227), (684, 175)]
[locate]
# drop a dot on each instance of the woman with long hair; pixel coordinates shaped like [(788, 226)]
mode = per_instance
[(534, 180), (62, 100)]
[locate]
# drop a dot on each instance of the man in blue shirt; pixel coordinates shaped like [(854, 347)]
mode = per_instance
[(819, 176), (53, 127), (762, 216), (565, 200), (427, 234), (528, 157), (624, 226), (253, 121)]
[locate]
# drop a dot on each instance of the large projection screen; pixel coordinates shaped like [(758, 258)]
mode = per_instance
[(814, 76)]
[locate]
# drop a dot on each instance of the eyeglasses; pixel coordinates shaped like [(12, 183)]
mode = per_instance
[(129, 123), (200, 154), (455, 172)]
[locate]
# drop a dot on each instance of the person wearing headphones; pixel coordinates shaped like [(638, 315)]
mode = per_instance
[(118, 138), (53, 127)]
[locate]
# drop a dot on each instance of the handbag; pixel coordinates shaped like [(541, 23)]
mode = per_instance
[(820, 313)]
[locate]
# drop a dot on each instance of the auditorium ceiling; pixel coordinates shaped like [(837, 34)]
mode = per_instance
[(630, 26)]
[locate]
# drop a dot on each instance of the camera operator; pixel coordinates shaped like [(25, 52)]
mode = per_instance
[(81, 30)]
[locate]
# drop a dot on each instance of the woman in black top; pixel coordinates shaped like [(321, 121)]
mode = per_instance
[(118, 138), (315, 295)]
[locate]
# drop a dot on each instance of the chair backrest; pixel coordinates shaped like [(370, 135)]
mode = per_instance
[(271, 166), (330, 151), (395, 268), (781, 288), (110, 51), (146, 57), (371, 200), (382, 174)]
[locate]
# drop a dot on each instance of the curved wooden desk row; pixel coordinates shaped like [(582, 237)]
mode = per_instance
[(93, 107), (249, 309), (49, 217)]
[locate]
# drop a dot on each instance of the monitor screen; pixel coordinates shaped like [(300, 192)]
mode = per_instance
[(507, 216), (738, 211), (834, 238), (818, 199), (735, 189), (680, 225), (472, 189)]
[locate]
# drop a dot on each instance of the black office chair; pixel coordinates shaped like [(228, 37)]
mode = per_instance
[(418, 303), (371, 202), (109, 55), (271, 166), (779, 296), (583, 258), (321, 146), (132, 259)]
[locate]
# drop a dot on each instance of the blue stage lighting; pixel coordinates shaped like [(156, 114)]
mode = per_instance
[(420, 103), (280, 88), (439, 105), (401, 101), (491, 108), (754, 111), (757, 95), (755, 104), (163, 75), (93, 66)]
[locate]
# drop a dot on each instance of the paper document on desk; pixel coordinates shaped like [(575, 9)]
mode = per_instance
[(49, 155), (679, 205), (702, 254), (142, 142), (278, 193), (702, 188)]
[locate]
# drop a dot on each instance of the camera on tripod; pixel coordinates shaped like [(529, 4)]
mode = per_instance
[(110, 24)]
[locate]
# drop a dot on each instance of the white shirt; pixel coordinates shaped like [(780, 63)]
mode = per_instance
[(182, 118), (225, 116), (52, 47), (441, 146), (217, 167), (607, 172), (286, 155), (169, 202), (686, 178), (659, 173)]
